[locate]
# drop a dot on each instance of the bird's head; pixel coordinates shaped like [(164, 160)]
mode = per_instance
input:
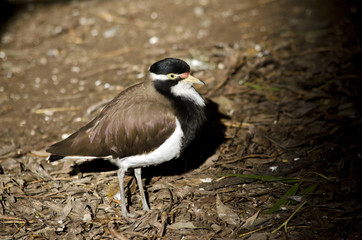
[(172, 71), (171, 77)]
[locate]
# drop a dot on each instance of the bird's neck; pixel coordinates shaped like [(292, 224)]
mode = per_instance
[(190, 115), (188, 106)]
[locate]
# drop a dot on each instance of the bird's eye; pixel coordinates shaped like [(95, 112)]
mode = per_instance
[(172, 76)]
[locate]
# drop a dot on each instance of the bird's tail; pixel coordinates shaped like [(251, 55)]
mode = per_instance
[(54, 157)]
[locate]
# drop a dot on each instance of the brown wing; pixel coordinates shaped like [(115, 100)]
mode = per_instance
[(129, 125)]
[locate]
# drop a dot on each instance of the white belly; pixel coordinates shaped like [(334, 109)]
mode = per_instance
[(170, 149)]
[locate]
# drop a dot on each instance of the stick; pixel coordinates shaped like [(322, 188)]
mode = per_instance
[(289, 218)]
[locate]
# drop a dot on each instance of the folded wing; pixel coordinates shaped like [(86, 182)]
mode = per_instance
[(122, 129)]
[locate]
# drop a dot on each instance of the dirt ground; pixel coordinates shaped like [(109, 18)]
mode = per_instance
[(279, 157)]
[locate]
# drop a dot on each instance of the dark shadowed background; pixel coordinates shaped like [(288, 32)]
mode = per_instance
[(280, 155)]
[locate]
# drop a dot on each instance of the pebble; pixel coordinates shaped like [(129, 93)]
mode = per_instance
[(75, 69), (154, 15), (2, 55), (57, 30), (86, 21), (111, 32), (98, 82), (199, 11), (43, 61), (53, 52), (74, 80), (153, 40)]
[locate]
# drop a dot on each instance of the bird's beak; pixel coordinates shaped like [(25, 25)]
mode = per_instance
[(192, 79)]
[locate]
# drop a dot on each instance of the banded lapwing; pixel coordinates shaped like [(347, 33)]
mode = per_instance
[(147, 124)]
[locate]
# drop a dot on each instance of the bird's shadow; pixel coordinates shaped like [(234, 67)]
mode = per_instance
[(205, 145)]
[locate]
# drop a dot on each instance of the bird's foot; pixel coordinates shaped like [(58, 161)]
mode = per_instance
[(128, 215)]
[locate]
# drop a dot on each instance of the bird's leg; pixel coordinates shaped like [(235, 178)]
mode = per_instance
[(121, 172), (137, 173)]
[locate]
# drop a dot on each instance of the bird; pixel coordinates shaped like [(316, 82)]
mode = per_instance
[(146, 124)]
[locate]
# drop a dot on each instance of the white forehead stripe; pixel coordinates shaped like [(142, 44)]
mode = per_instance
[(155, 76), (181, 89)]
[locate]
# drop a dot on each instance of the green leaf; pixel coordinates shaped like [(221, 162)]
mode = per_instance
[(293, 190), (283, 201), (309, 190), (274, 89), (276, 206), (323, 176), (255, 86)]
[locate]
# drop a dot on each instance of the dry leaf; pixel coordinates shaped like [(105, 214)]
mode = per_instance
[(66, 209), (181, 225), (254, 220), (225, 213)]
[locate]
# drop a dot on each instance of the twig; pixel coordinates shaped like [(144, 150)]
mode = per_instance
[(248, 156), (117, 201), (53, 110), (117, 235), (5, 217), (235, 124), (22, 225), (254, 231), (137, 234), (46, 195), (276, 143), (289, 218), (220, 84), (163, 223), (323, 176)]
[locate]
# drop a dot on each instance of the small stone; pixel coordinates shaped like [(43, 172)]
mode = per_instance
[(43, 61), (154, 15), (75, 69), (98, 83), (257, 47), (53, 52), (74, 80), (86, 21), (111, 32), (2, 55), (153, 40), (199, 11)]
